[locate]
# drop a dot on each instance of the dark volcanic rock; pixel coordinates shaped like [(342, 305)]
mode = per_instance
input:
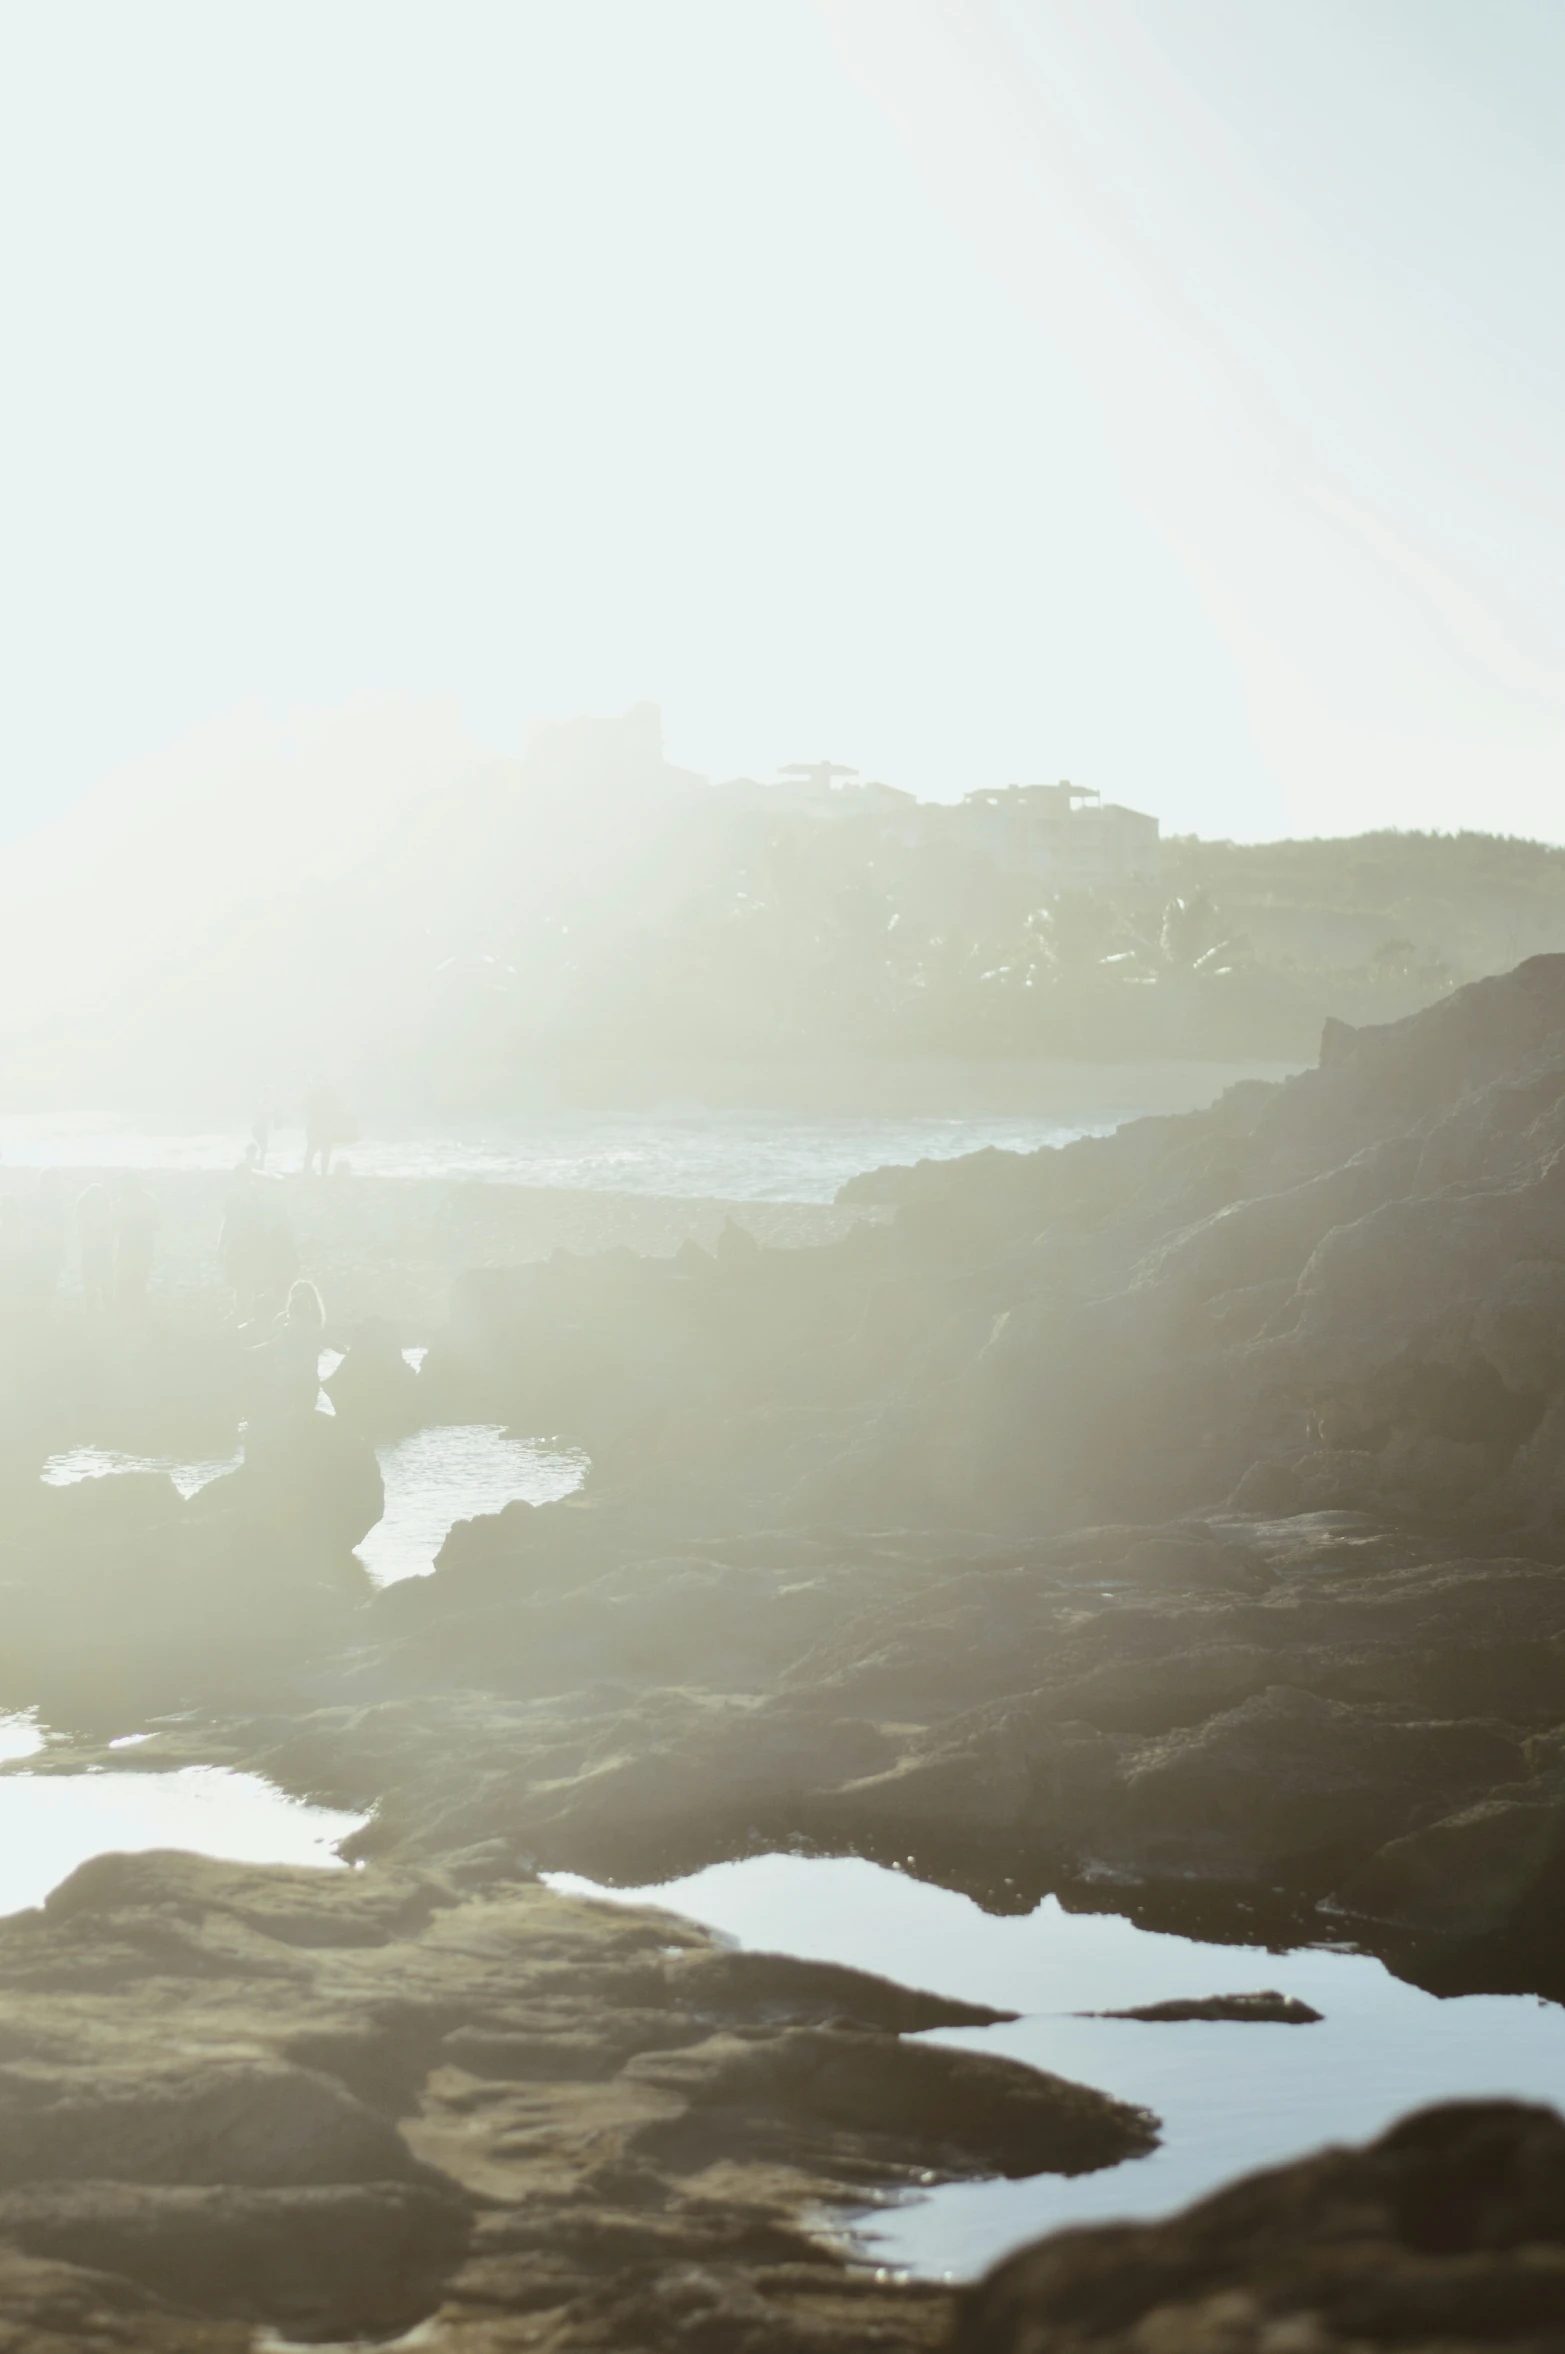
[(1265, 2009), (984, 1716), (1448, 2233), (1177, 1519), (302, 2258), (309, 1479), (213, 2120), (1361, 1263), (375, 1391), (1488, 1875), (1126, 1490), (348, 2104), (72, 2309), (108, 1617), (984, 2115)]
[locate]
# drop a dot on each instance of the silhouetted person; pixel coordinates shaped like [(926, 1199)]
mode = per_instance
[(135, 1241), (288, 1362), (375, 1390), (327, 1123), (95, 1245), (260, 1139)]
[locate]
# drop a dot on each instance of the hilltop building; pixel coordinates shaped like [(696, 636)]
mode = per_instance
[(1065, 834), (825, 789)]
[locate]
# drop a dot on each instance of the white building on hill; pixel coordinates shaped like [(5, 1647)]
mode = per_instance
[(1064, 834)]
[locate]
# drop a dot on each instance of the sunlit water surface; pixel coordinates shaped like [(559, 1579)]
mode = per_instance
[(1231, 2097), (75, 1463), (50, 1823), (693, 1154), (449, 1472)]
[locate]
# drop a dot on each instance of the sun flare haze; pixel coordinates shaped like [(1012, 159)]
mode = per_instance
[(782, 1176), (1158, 391)]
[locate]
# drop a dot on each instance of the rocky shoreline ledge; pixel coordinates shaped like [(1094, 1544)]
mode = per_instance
[(335, 2102), (391, 1246), (1175, 1521)]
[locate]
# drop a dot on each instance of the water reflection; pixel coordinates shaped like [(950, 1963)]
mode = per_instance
[(20, 1736), (437, 1476), (1232, 2097), (449, 1473), (76, 1463), (50, 1823)]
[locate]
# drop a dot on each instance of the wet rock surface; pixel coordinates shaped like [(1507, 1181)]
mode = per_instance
[(1268, 2008), (1448, 2233), (1177, 1510), (1175, 1521), (340, 2104), (1330, 1737)]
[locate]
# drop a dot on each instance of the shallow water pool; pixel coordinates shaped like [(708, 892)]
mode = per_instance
[(75, 1463), (1231, 2096), (449, 1473), (51, 1823), (433, 1478)]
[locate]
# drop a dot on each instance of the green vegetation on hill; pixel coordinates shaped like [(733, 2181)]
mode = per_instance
[(1473, 903), (426, 927), (804, 937)]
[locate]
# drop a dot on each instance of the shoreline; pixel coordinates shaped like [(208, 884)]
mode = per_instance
[(392, 1246)]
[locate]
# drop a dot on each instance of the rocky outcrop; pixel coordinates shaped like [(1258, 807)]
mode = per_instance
[(1345, 1283), (1267, 2009), (310, 1482), (342, 2105), (1293, 1710), (1172, 1511), (1447, 2234), (1174, 1521), (119, 1599), (375, 1391)]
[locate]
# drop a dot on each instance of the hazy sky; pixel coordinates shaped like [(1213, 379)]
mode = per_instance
[(1162, 393)]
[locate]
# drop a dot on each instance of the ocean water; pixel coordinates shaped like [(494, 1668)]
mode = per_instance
[(688, 1153), (1232, 2097)]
